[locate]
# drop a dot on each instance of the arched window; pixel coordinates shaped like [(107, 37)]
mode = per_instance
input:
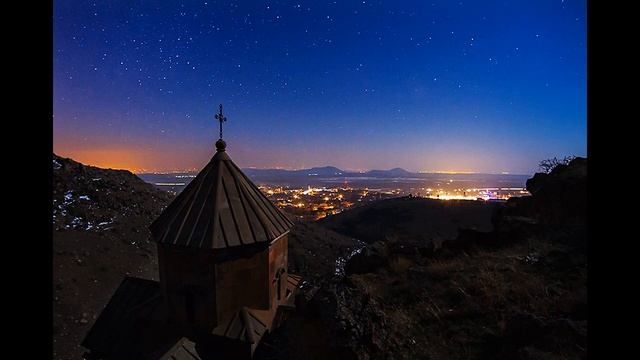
[(278, 281)]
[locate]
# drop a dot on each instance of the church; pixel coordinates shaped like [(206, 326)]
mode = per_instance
[(222, 258)]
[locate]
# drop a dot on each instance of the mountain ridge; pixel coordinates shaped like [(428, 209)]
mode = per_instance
[(335, 171)]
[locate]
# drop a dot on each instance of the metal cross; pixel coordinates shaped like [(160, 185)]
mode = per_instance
[(221, 118)]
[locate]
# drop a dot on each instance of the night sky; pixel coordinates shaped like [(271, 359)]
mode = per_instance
[(485, 86)]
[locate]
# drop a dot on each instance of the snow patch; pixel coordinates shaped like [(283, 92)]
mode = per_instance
[(342, 261), (77, 222)]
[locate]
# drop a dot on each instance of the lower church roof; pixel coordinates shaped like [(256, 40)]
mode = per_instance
[(132, 326), (243, 326)]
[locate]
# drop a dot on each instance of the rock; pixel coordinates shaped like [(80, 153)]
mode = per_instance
[(561, 195), (368, 260), (537, 182)]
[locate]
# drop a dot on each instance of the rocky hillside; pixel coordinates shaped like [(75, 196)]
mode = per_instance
[(100, 220), (516, 292), (94, 199), (100, 235)]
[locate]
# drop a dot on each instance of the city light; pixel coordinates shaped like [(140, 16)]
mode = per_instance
[(317, 203)]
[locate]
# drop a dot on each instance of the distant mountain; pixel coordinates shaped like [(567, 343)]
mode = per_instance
[(323, 176), (395, 172), (275, 173), (324, 171)]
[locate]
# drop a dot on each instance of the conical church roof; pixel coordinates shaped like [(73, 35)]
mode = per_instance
[(221, 208)]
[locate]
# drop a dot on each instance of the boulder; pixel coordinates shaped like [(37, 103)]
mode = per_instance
[(370, 259)]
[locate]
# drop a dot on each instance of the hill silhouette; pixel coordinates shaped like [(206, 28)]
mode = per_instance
[(395, 172), (415, 218)]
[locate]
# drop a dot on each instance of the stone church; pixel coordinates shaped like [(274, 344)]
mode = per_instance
[(222, 256)]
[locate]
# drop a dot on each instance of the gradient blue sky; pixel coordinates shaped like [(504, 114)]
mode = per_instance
[(485, 86)]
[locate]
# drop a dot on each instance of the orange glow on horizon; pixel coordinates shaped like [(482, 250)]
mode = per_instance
[(137, 157), (188, 157), (134, 160), (105, 158)]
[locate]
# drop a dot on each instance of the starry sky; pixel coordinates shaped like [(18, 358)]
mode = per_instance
[(483, 86)]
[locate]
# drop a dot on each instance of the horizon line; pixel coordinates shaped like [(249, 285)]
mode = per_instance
[(351, 171)]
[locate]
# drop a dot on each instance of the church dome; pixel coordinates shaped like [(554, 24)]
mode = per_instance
[(221, 208)]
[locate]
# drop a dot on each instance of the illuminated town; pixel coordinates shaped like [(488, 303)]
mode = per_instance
[(316, 203), (320, 197)]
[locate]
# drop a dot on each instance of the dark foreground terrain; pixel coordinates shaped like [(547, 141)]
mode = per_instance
[(100, 220), (517, 291), (433, 280), (100, 235)]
